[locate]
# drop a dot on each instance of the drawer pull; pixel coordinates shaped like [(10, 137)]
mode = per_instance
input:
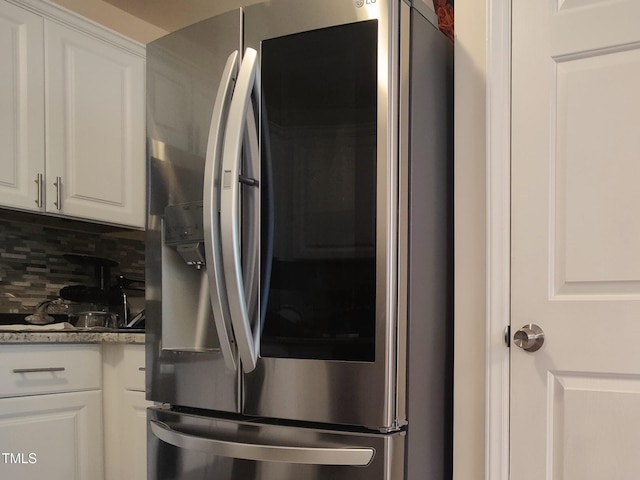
[(36, 370), (142, 369), (58, 185)]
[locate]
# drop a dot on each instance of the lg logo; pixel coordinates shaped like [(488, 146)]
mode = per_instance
[(360, 3)]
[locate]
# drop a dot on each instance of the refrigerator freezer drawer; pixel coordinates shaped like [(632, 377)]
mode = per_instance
[(185, 446)]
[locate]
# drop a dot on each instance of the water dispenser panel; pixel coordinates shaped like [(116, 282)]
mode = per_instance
[(183, 231), (183, 223)]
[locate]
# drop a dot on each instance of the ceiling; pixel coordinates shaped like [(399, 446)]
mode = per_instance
[(171, 15)]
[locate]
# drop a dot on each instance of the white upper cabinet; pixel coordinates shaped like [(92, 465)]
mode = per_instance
[(95, 147), (87, 160), (21, 106)]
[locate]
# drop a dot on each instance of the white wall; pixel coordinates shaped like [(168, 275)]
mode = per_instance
[(470, 239)]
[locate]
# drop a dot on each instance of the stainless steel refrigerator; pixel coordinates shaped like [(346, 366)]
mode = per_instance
[(299, 245)]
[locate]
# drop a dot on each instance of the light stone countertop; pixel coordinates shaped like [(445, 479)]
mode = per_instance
[(69, 336)]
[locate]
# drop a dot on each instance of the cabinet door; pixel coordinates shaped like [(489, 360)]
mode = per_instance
[(125, 429), (21, 106), (57, 437), (95, 128), (134, 435)]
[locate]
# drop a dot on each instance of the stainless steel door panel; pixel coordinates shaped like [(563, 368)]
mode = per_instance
[(184, 70), (348, 392), (313, 390), (180, 446), (286, 17)]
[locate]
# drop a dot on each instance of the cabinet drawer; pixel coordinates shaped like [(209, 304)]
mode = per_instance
[(39, 369), (134, 365)]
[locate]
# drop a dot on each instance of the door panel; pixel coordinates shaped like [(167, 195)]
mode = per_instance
[(331, 313), (22, 112), (95, 121), (593, 425), (183, 349), (322, 134), (185, 451), (58, 436), (596, 174), (575, 262)]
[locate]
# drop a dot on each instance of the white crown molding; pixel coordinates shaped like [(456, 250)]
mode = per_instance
[(64, 16)]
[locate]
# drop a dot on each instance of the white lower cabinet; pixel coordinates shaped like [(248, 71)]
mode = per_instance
[(51, 412), (125, 412), (57, 437), (73, 412), (134, 435)]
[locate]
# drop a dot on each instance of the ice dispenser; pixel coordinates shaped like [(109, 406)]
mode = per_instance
[(187, 319)]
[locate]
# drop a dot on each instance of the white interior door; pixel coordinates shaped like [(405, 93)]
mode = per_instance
[(575, 411)]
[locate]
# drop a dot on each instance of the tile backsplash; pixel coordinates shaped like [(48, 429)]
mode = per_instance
[(33, 268)]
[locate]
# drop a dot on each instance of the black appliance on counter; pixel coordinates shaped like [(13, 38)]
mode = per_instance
[(104, 293)]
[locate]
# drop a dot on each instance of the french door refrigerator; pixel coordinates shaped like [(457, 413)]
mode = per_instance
[(299, 245)]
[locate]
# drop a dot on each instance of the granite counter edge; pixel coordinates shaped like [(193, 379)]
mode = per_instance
[(71, 337)]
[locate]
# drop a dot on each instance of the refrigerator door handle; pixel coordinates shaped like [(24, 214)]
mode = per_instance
[(251, 214), (348, 456), (247, 339), (211, 214)]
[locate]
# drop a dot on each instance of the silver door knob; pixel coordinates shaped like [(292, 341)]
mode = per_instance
[(529, 338)]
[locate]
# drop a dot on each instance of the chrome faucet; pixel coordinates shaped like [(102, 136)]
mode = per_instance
[(41, 317)]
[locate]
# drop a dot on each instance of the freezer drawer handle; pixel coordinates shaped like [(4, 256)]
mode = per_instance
[(351, 456)]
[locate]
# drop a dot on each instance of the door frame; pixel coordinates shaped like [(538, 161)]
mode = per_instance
[(498, 224)]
